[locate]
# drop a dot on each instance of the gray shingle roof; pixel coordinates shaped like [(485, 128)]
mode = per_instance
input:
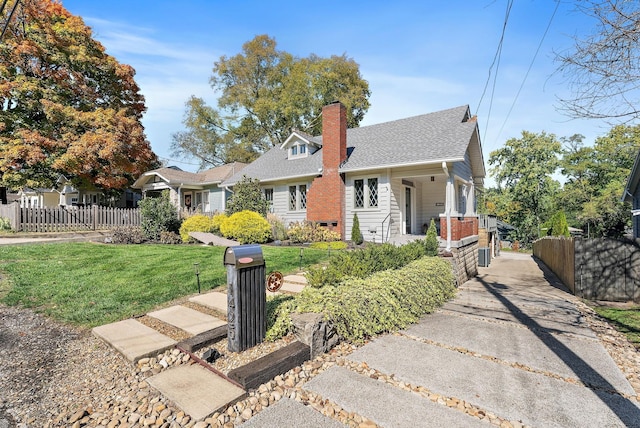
[(176, 176), (434, 137)]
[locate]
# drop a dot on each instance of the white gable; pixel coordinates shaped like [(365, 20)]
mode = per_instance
[(299, 146)]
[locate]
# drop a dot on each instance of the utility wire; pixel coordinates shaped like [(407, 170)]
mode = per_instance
[(496, 60), (529, 69)]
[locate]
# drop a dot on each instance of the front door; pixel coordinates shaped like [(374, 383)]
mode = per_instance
[(407, 210)]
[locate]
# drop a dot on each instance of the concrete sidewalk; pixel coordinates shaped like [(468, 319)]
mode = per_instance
[(512, 345)]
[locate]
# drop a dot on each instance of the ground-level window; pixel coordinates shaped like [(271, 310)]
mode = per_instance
[(298, 197), (365, 193)]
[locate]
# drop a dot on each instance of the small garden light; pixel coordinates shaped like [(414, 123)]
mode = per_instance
[(301, 254), (197, 269)]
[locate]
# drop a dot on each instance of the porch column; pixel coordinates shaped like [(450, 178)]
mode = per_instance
[(471, 191), (449, 199)]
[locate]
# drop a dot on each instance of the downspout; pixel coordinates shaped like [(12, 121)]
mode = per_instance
[(448, 207)]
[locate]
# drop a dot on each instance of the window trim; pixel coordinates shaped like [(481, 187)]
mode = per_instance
[(366, 196), (297, 208)]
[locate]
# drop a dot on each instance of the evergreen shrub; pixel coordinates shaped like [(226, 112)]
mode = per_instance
[(431, 243), (361, 263), (216, 221), (195, 223), (356, 234), (247, 196), (359, 308), (158, 215), (246, 227)]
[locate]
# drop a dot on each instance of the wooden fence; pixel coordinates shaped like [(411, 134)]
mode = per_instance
[(61, 219), (595, 269)]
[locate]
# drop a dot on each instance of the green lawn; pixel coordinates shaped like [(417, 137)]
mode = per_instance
[(88, 284), (625, 320)]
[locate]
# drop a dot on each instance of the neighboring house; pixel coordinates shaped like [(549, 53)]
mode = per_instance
[(396, 176), (632, 195), (64, 194), (189, 190)]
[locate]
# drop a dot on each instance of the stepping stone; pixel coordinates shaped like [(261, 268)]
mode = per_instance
[(133, 339), (214, 300), (385, 404), (288, 412), (293, 283), (195, 390), (187, 319)]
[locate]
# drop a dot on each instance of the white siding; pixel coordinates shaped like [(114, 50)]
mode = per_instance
[(281, 203), (369, 218), (463, 169), (433, 199), (397, 197), (216, 199)]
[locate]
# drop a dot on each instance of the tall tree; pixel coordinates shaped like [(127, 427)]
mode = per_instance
[(264, 94), (66, 107), (596, 176), (523, 170), (602, 68)]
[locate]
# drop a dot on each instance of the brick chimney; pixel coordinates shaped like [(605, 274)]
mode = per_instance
[(326, 197)]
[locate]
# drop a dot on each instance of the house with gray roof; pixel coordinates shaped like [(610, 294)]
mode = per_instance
[(189, 190), (396, 176), (632, 195)]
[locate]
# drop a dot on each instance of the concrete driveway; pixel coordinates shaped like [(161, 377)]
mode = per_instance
[(510, 349)]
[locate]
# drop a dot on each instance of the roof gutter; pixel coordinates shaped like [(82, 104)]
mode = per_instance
[(399, 165)]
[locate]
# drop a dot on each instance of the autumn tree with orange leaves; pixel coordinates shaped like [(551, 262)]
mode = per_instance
[(66, 107)]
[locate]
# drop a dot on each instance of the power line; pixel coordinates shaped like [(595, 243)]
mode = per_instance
[(496, 62), (529, 69)]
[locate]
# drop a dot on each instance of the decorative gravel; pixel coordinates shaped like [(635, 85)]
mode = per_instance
[(53, 375)]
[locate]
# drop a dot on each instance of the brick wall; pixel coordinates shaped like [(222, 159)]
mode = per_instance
[(468, 226), (326, 197)]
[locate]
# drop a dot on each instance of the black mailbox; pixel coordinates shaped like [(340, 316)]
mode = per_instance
[(246, 296)]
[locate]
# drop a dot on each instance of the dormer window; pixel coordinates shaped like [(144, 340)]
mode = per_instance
[(298, 150)]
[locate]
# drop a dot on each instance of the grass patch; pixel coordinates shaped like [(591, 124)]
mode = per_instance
[(87, 284), (625, 320)]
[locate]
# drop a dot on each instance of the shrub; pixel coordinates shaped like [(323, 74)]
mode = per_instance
[(278, 229), (247, 196), (246, 227), (309, 231), (158, 215), (195, 223), (386, 301), (5, 224), (333, 245), (364, 262), (431, 242), (170, 238), (216, 221), (127, 235), (356, 234), (557, 225)]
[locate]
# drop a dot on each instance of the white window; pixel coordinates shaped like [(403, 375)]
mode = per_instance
[(303, 149), (268, 196), (365, 192), (298, 197), (462, 199), (294, 150), (298, 150)]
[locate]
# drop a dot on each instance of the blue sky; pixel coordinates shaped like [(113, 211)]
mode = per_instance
[(418, 56)]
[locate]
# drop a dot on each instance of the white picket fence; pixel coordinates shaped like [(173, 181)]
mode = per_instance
[(72, 218)]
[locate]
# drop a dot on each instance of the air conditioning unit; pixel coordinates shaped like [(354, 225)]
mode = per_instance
[(484, 257)]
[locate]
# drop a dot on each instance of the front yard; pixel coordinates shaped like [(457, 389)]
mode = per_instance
[(86, 284)]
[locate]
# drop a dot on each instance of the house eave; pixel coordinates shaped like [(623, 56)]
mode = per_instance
[(400, 165)]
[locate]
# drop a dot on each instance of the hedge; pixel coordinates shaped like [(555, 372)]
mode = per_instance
[(361, 308)]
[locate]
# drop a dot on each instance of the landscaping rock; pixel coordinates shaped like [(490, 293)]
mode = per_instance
[(314, 331)]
